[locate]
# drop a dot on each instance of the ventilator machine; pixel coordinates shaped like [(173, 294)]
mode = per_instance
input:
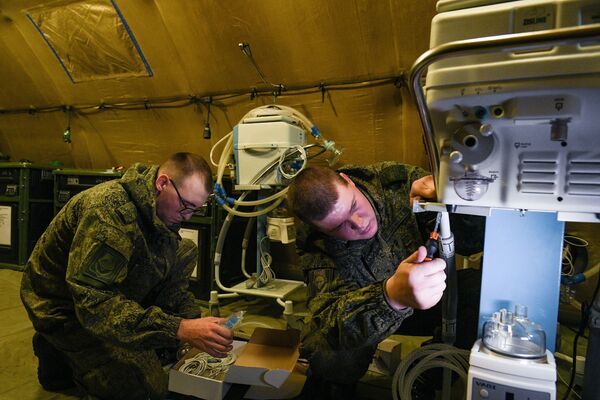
[(510, 105), (264, 151)]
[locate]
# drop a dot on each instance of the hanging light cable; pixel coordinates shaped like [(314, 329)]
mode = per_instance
[(207, 133), (67, 132)]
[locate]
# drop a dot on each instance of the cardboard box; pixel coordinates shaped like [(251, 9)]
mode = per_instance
[(389, 351), (267, 360), (199, 386), (289, 390)]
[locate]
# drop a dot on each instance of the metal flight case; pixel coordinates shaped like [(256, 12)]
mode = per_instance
[(25, 210), (69, 182)]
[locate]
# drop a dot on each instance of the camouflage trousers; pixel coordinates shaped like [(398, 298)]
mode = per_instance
[(341, 366), (106, 371)]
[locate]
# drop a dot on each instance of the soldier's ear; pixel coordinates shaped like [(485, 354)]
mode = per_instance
[(347, 178), (161, 182)]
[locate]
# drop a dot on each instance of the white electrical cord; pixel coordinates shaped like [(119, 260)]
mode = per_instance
[(425, 358), (262, 211), (203, 364), (567, 385), (567, 259), (267, 274), (245, 242), (212, 149), (303, 155)]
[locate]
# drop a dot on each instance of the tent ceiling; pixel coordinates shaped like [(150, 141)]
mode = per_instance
[(192, 49)]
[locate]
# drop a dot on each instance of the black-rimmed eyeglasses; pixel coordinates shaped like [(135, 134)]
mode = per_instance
[(184, 210)]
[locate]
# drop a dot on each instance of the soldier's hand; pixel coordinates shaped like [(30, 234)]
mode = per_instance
[(206, 334), (423, 188), (417, 283)]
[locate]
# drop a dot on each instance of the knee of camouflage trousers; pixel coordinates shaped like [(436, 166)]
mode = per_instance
[(54, 372), (109, 372), (328, 364)]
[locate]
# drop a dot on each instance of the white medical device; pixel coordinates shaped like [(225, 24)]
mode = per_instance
[(518, 129), (259, 142), (269, 147), (511, 361), (510, 113)]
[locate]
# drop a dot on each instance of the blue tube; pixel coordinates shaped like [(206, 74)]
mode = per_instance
[(572, 280), (315, 131)]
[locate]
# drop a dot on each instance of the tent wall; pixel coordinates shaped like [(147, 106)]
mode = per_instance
[(192, 49)]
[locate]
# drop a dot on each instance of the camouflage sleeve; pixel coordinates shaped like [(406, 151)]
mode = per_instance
[(341, 313), (173, 295), (415, 173), (98, 260)]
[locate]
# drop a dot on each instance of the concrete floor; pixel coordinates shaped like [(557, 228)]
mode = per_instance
[(18, 374), (18, 378)]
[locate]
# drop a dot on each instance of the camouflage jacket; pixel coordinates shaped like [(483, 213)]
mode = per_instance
[(108, 264), (345, 278)]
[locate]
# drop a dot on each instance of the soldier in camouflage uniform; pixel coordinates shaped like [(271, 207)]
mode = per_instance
[(360, 289), (106, 285)]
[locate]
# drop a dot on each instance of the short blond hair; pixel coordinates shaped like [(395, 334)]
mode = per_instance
[(182, 165)]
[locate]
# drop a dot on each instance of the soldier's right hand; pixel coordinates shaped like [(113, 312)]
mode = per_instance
[(206, 334), (423, 188), (417, 283)]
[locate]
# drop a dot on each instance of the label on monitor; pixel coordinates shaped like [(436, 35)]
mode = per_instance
[(535, 18), (485, 390)]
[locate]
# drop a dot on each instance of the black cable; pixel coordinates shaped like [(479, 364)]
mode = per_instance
[(187, 100), (585, 314), (595, 295), (575, 331), (321, 151), (580, 332)]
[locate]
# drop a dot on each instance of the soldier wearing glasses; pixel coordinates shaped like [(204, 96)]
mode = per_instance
[(106, 285)]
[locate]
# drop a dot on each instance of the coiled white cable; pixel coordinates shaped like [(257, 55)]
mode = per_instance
[(425, 358), (568, 268), (203, 364), (303, 156), (267, 274)]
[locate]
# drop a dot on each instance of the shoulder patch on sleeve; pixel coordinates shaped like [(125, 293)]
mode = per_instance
[(393, 174), (127, 212), (105, 267)]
